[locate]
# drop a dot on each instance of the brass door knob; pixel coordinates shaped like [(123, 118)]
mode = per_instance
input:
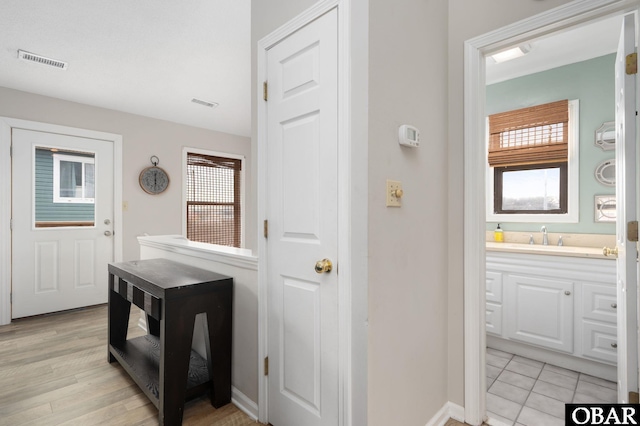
[(323, 266), (610, 252)]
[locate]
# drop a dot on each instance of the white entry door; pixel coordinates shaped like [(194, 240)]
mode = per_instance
[(626, 210), (302, 214), (62, 213)]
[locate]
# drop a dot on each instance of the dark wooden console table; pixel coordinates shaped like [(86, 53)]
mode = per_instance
[(162, 363)]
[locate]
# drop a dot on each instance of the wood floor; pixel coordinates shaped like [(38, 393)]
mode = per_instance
[(54, 371)]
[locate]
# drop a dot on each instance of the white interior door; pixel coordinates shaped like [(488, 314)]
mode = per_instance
[(302, 214), (62, 213), (627, 268)]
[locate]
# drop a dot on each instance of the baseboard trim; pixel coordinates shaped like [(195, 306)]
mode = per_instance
[(448, 411), (245, 404)]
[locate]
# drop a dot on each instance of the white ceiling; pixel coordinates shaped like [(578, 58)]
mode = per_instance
[(147, 57), (576, 45), (151, 57)]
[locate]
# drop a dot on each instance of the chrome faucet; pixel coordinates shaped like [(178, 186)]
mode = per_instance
[(545, 239)]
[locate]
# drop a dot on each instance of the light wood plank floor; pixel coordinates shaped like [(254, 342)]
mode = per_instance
[(54, 371)]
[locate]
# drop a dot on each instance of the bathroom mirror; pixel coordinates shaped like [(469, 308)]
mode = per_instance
[(606, 136), (605, 208), (606, 172)]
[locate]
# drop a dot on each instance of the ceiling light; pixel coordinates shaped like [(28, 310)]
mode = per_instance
[(507, 55), (43, 60), (205, 103)]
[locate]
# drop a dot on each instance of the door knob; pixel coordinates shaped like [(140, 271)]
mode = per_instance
[(610, 252), (323, 266), (107, 233)]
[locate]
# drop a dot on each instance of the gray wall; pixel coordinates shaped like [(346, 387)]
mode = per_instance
[(592, 83), (142, 137)]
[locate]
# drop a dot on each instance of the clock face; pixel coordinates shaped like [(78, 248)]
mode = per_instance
[(154, 180)]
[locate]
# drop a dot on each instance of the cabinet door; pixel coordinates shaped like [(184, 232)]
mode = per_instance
[(540, 311)]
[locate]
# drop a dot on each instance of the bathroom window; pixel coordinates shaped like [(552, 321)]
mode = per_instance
[(214, 198), (532, 168)]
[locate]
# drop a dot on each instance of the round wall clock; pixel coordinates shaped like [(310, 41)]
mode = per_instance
[(154, 180)]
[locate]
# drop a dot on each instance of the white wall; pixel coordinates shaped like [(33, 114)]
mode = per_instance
[(142, 137), (467, 19)]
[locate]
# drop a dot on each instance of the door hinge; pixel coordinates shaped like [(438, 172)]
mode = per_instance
[(10, 150), (11, 224), (265, 91), (632, 63), (632, 231), (266, 366), (265, 229), (10, 297)]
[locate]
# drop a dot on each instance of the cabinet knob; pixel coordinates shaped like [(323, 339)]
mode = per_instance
[(568, 293), (614, 305), (614, 345)]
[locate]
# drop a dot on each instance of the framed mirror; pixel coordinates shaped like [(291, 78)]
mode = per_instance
[(606, 172), (605, 208), (605, 136)]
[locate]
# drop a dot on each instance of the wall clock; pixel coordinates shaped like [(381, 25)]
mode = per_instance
[(154, 180)]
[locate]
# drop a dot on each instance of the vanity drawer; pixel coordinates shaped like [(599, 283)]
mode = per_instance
[(494, 318), (599, 302), (494, 287), (599, 341)]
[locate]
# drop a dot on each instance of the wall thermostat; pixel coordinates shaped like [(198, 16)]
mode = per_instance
[(409, 136)]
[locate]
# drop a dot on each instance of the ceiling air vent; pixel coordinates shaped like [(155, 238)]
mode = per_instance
[(43, 60), (205, 103)]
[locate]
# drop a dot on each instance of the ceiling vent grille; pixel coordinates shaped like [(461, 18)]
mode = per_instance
[(205, 103), (43, 60)]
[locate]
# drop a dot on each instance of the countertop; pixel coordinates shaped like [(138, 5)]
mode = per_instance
[(551, 250)]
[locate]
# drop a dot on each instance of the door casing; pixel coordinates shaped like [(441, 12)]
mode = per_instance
[(344, 259), (475, 50), (6, 124)]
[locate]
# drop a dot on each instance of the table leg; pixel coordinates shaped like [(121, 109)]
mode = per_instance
[(118, 318), (153, 326), (218, 344), (176, 333)]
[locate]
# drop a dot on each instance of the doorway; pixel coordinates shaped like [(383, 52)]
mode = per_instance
[(475, 50), (88, 163)]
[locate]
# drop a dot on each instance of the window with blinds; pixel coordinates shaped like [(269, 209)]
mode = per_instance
[(214, 211), (529, 152)]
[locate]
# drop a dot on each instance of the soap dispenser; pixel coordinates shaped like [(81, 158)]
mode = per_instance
[(498, 236)]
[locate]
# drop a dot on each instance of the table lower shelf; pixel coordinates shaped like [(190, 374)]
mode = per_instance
[(140, 357)]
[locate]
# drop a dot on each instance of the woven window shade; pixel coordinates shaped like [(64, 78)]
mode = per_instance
[(214, 213), (533, 135)]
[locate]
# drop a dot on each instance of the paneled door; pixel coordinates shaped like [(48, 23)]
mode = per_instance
[(301, 209), (626, 211), (62, 212)]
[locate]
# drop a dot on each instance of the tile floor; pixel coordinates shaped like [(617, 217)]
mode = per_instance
[(523, 391)]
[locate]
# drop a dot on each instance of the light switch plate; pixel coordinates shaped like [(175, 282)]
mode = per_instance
[(392, 187)]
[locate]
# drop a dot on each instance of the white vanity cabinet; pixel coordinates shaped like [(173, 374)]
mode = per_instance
[(539, 310), (561, 305)]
